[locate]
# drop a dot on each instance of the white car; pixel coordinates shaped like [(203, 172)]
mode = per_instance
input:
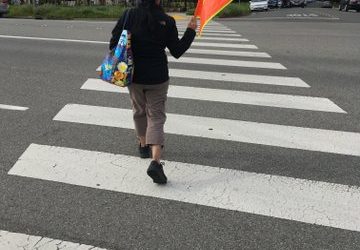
[(259, 5)]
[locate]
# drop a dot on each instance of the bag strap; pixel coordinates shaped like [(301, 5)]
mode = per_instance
[(126, 18)]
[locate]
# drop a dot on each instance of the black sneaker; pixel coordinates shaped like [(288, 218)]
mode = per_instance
[(144, 151), (156, 172)]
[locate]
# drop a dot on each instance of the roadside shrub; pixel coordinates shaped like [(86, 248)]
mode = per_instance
[(50, 11), (190, 12), (235, 10), (25, 10)]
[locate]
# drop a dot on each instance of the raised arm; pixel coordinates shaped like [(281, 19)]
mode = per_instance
[(178, 46)]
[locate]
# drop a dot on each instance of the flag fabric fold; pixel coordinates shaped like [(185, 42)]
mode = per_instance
[(207, 9)]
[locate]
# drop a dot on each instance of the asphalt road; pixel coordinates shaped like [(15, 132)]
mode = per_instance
[(320, 46)]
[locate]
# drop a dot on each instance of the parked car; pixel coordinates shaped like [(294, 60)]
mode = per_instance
[(298, 3), (349, 5), (285, 4), (4, 7), (259, 5), (326, 4), (274, 3)]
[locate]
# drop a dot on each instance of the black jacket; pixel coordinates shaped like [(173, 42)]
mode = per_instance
[(150, 60)]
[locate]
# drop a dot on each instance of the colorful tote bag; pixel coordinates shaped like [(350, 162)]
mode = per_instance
[(118, 66)]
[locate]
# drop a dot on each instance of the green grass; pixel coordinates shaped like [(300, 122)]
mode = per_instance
[(20, 10), (48, 11), (235, 10)]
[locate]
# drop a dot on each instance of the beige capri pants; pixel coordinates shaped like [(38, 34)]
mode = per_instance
[(148, 102)]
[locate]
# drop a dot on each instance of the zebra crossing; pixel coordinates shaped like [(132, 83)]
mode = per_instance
[(301, 200)]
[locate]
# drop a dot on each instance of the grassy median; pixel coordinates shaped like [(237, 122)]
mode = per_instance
[(48, 11)]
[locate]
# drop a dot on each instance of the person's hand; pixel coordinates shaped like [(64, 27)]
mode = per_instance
[(193, 23)]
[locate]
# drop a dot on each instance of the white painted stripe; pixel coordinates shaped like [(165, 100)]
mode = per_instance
[(185, 26), (239, 78), (311, 139), (10, 107), (286, 18), (233, 63), (214, 34), (212, 30), (218, 31), (314, 202), (232, 96), (222, 39), (13, 241), (225, 45), (228, 53), (52, 39), (244, 46), (224, 35)]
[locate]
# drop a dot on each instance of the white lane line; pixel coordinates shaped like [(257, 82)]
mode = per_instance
[(218, 31), (13, 241), (293, 18), (233, 63), (225, 45), (10, 107), (209, 25), (222, 39), (237, 78), (52, 39), (216, 34), (232, 96), (294, 199), (224, 35), (245, 46), (214, 28), (228, 53), (310, 139)]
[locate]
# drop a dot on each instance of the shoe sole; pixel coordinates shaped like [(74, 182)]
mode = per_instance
[(156, 177)]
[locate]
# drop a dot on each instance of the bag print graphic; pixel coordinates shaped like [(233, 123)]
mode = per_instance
[(117, 67)]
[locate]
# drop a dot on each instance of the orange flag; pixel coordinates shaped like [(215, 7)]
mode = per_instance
[(207, 9)]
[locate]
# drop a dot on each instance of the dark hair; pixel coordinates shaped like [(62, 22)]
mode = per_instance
[(144, 16)]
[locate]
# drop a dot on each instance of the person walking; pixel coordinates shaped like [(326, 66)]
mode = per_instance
[(152, 31)]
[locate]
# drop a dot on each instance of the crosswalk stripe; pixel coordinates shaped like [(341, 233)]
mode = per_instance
[(225, 45), (208, 26), (238, 78), (310, 139), (223, 39), (314, 202), (228, 53), (212, 27), (13, 241), (216, 34), (10, 107), (232, 96), (218, 31), (233, 63)]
